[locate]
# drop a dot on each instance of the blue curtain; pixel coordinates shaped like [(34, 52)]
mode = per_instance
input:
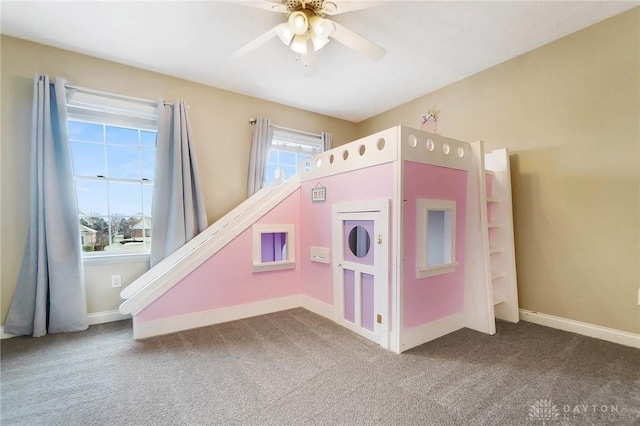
[(327, 141), (260, 146), (178, 210), (50, 295)]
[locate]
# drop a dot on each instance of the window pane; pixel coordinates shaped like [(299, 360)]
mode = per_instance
[(123, 162), (301, 157), (288, 171), (94, 232), (125, 198), (273, 156), (85, 131), (140, 229), (122, 136), (147, 194), (148, 158), (88, 159), (287, 158), (270, 173), (147, 139), (121, 228), (92, 197)]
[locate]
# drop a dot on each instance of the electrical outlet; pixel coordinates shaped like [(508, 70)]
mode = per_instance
[(639, 296), (116, 281)]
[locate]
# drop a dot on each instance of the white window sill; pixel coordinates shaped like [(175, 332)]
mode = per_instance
[(274, 266), (425, 272), (111, 259)]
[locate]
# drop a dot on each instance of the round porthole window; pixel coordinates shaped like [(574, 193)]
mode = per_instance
[(359, 241)]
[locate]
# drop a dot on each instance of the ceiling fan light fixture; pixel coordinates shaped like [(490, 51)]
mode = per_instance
[(318, 42), (321, 27), (298, 22), (284, 33), (299, 44)]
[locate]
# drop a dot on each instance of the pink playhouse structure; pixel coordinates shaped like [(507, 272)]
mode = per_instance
[(402, 237)]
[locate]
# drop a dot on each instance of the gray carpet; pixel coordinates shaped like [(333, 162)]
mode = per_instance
[(296, 368)]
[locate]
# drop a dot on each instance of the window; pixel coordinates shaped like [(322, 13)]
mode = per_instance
[(113, 145), (288, 148), (273, 247), (436, 237)]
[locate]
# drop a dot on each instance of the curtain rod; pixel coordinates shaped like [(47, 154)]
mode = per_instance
[(113, 95), (252, 121)]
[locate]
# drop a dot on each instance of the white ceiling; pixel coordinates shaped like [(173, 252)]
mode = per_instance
[(430, 44)]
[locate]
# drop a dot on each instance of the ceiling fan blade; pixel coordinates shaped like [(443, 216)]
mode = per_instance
[(256, 42), (273, 6), (357, 42), (335, 7)]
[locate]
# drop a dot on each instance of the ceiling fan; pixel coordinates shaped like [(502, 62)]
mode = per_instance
[(307, 30)]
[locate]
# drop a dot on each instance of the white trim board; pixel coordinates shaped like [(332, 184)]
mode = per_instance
[(143, 330), (4, 335), (106, 316), (591, 330), (317, 307), (425, 333), (93, 319)]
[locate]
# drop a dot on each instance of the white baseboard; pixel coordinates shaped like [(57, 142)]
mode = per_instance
[(604, 333), (93, 319), (4, 335), (425, 333), (143, 330), (317, 307), (106, 316)]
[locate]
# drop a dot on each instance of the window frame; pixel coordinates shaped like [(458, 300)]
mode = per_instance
[(292, 141), (108, 110)]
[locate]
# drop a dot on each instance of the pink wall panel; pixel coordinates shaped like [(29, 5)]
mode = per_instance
[(428, 299), (227, 279), (364, 184)]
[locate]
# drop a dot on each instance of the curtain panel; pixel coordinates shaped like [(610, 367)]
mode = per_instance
[(50, 294), (178, 210), (327, 141), (259, 155)]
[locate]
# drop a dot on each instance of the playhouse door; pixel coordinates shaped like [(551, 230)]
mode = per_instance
[(361, 272)]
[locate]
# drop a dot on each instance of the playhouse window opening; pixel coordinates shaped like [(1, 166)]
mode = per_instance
[(359, 241), (436, 237), (273, 247)]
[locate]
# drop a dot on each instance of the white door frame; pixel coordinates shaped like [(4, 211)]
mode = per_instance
[(378, 211)]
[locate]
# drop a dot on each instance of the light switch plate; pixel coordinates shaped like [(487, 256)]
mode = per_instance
[(320, 254)]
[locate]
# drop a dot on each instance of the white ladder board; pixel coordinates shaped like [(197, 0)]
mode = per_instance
[(501, 241)]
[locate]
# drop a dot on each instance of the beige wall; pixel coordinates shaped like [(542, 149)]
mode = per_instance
[(220, 126), (570, 114)]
